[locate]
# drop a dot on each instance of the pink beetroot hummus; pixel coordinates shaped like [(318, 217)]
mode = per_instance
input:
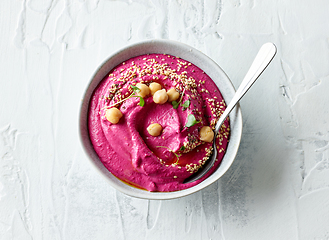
[(127, 149)]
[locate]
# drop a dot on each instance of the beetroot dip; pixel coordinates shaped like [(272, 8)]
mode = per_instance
[(127, 149)]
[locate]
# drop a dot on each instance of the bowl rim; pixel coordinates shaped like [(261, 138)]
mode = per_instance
[(195, 57)]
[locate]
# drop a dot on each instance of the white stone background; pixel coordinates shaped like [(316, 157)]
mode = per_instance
[(278, 186)]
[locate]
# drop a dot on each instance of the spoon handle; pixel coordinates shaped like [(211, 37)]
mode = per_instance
[(263, 58)]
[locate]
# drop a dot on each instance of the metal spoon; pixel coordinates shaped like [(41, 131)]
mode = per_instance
[(263, 58)]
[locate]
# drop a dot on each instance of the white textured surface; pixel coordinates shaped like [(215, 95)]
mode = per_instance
[(277, 188)]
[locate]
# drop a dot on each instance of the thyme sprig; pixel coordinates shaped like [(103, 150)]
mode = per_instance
[(133, 94), (170, 150), (175, 104)]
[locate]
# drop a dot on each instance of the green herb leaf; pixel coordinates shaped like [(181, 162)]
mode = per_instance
[(136, 89), (191, 121), (141, 101), (182, 148), (186, 104), (175, 104)]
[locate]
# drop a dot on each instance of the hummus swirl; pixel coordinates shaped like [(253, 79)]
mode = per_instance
[(127, 150)]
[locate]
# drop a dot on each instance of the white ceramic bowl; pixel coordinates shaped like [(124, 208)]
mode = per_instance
[(192, 55)]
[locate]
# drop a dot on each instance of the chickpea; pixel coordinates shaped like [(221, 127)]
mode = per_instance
[(154, 87), (160, 96), (206, 134), (154, 129), (173, 95), (144, 90), (113, 115)]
